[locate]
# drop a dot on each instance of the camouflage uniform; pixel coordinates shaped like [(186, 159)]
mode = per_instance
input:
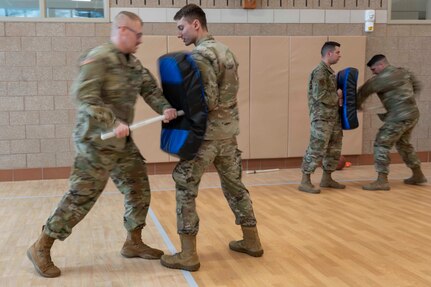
[(218, 67), (326, 133), (106, 90), (396, 88)]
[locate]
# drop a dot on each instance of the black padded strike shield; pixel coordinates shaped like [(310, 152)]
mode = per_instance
[(347, 80), (183, 88)]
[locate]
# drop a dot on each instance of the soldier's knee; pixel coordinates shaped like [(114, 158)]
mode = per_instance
[(179, 178), (402, 146), (385, 140)]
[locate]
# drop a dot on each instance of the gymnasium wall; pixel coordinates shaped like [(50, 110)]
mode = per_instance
[(273, 107), (38, 64)]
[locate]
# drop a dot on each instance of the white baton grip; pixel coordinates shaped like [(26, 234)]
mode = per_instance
[(139, 124)]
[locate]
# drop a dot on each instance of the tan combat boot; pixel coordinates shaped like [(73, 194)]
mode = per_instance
[(306, 185), (417, 178), (380, 184), (40, 255), (250, 244), (134, 247), (187, 259), (327, 181)]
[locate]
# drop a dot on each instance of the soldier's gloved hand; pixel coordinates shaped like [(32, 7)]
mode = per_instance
[(169, 114), (121, 130)]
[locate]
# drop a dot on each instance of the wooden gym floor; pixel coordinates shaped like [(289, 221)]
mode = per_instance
[(340, 238)]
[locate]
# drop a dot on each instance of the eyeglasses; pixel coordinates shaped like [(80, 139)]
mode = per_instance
[(137, 34)]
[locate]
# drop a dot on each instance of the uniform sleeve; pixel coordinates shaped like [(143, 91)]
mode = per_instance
[(87, 91), (366, 90), (381, 83), (320, 88), (209, 79), (417, 85), (152, 94)]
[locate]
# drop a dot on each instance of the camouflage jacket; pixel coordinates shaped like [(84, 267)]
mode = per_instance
[(106, 90), (322, 94), (219, 70), (396, 88)]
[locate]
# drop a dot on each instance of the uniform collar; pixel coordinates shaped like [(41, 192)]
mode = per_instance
[(388, 68), (204, 39), (121, 56), (329, 69)]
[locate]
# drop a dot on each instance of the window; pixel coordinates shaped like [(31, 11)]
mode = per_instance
[(410, 11), (74, 8), (19, 8), (54, 10)]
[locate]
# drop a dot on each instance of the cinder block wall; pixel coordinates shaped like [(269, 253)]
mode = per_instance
[(38, 64)]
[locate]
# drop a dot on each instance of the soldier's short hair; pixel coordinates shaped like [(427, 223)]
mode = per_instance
[(191, 12), (375, 59), (121, 15), (329, 46)]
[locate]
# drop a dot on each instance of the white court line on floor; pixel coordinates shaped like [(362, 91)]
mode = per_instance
[(187, 275)]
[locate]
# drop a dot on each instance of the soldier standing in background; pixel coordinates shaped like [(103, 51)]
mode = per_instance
[(326, 133), (396, 89), (218, 68), (109, 81)]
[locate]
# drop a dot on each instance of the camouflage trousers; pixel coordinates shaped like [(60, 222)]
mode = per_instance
[(398, 134), (226, 158), (91, 171), (324, 147)]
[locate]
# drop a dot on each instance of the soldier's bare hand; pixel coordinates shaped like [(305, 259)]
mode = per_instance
[(122, 130), (169, 114), (340, 97)]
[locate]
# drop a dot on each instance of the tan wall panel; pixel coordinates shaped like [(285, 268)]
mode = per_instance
[(240, 46), (352, 55), (304, 57), (176, 44), (269, 86), (147, 138)]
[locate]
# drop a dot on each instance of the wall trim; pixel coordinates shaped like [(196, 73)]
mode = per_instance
[(166, 168), (259, 16)]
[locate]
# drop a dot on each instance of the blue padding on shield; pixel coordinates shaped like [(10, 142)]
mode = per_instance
[(173, 140), (169, 71), (347, 81), (345, 120), (183, 88)]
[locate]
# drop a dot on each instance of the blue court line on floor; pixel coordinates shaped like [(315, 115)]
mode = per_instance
[(187, 275)]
